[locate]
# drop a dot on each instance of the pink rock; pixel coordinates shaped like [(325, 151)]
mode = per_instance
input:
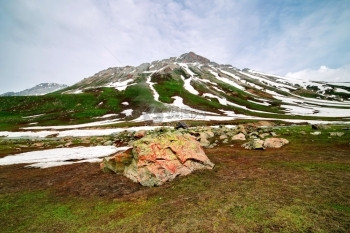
[(275, 142), (157, 159)]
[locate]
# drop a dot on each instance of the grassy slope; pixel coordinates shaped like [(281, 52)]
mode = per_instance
[(61, 109), (302, 187)]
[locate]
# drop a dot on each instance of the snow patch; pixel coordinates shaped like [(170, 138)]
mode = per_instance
[(127, 112), (226, 80), (155, 93), (106, 116), (120, 86), (33, 116), (188, 86), (96, 123), (61, 156)]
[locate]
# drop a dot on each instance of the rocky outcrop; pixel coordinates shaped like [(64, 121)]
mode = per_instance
[(159, 159), (275, 142)]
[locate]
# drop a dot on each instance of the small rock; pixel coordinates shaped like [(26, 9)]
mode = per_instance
[(222, 137), (203, 139), (319, 127), (273, 134), (181, 125), (38, 144), (225, 141), (264, 135), (255, 144), (108, 143), (239, 136), (68, 144), (140, 134), (315, 133), (275, 142), (336, 134)]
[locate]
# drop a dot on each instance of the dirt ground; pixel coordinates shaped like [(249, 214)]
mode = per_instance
[(301, 187)]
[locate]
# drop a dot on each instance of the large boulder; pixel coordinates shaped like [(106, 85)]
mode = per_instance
[(275, 142), (157, 159)]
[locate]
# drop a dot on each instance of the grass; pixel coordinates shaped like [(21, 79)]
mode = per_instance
[(63, 109), (302, 187), (167, 87)]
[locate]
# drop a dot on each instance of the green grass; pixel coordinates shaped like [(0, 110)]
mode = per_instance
[(173, 86), (40, 211), (302, 187)]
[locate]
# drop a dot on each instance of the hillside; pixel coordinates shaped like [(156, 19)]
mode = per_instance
[(188, 87)]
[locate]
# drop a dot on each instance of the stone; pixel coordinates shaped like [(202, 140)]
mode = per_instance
[(275, 142), (336, 134), (315, 133), (225, 141), (273, 134), (140, 134), (117, 162), (222, 137), (108, 143), (158, 159), (256, 144), (319, 127), (38, 144), (181, 125), (239, 136), (241, 129), (203, 139), (264, 135)]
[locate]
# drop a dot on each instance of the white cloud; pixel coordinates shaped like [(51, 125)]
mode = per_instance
[(341, 74), (65, 41)]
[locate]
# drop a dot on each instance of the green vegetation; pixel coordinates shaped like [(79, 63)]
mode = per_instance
[(168, 86), (301, 187)]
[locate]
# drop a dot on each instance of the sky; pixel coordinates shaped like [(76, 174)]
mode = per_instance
[(65, 41)]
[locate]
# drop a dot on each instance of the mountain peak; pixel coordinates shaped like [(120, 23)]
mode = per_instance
[(40, 89), (191, 57)]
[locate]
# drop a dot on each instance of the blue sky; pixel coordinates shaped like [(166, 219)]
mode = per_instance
[(65, 41)]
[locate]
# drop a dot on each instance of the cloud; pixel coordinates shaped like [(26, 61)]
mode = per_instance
[(66, 41), (324, 73)]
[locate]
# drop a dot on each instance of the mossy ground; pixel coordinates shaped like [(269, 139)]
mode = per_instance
[(301, 187)]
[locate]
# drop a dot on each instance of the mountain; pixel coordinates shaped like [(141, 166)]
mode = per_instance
[(187, 87), (192, 83), (40, 89)]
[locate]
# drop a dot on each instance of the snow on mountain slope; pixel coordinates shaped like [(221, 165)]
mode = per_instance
[(207, 87), (41, 89)]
